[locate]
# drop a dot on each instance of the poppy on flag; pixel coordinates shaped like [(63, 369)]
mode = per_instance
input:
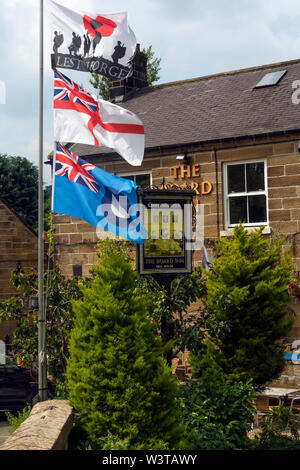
[(91, 42), (106, 201), (82, 118)]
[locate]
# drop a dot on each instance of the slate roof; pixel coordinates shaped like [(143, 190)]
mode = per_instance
[(216, 107)]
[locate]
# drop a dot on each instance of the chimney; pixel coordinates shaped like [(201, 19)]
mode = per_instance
[(122, 89)]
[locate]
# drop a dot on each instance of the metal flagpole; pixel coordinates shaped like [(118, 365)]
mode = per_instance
[(42, 365)]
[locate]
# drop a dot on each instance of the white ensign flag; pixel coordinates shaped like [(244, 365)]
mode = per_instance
[(80, 117)]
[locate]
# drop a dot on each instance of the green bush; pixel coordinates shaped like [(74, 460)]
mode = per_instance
[(15, 420), (117, 377), (218, 412), (247, 291), (280, 431)]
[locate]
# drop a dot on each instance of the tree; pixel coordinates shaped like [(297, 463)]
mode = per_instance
[(118, 380), (247, 290), (19, 186), (101, 84), (59, 316), (47, 206), (153, 65)]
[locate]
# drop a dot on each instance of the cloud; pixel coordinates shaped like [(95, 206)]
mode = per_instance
[(192, 38)]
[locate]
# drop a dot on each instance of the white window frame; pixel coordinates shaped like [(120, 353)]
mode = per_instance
[(249, 193), (136, 173)]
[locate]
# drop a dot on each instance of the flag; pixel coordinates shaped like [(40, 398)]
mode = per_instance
[(80, 117), (91, 42), (104, 200)]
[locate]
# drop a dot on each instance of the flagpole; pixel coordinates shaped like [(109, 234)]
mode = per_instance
[(42, 365)]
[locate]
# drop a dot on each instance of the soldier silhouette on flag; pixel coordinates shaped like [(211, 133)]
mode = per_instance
[(75, 45), (120, 50), (86, 45), (57, 41)]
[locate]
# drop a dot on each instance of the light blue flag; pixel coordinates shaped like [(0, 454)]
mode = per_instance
[(104, 200)]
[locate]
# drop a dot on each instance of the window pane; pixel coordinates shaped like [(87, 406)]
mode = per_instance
[(238, 210), (236, 178), (128, 177), (142, 180), (257, 209), (255, 176)]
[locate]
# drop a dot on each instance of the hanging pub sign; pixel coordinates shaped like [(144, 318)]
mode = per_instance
[(167, 216), (90, 42)]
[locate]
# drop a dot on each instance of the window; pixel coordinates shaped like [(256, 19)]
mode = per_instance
[(245, 193), (270, 79), (141, 179)]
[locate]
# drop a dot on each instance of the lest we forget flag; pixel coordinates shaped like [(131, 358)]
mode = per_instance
[(80, 117), (91, 42), (102, 199)]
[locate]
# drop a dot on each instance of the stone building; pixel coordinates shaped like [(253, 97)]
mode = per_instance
[(238, 134), (19, 250)]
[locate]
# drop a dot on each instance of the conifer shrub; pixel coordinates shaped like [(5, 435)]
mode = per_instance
[(247, 291), (118, 380)]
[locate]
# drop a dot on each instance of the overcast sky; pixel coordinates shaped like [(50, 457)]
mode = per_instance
[(192, 37)]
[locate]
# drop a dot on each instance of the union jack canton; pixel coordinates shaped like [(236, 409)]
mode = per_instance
[(77, 170)]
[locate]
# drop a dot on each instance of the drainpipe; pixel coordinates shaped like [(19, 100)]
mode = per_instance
[(217, 191)]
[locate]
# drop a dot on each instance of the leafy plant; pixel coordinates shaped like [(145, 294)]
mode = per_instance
[(280, 431), (15, 420), (169, 309), (218, 412), (60, 292)]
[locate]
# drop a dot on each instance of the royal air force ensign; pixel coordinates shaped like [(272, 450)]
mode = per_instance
[(94, 43)]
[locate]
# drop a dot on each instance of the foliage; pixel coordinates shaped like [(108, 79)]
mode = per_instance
[(280, 431), (153, 65), (47, 207), (101, 84), (110, 442), (247, 291), (60, 317), (19, 186), (171, 304), (218, 412), (118, 380), (15, 420)]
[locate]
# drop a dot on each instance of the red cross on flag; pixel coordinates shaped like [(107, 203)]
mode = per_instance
[(80, 117)]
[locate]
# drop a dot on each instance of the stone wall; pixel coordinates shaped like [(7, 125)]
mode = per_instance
[(18, 247), (47, 428), (18, 250)]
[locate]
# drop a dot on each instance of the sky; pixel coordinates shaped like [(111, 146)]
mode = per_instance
[(193, 38)]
